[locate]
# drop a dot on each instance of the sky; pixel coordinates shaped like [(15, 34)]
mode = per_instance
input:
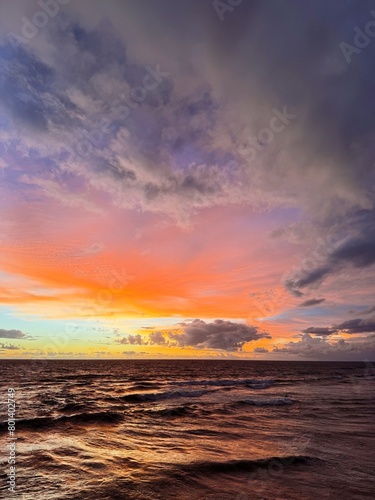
[(190, 179)]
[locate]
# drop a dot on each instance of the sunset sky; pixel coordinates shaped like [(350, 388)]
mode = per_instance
[(187, 178)]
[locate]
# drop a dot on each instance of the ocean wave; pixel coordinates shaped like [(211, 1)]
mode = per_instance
[(158, 396), (266, 401), (74, 407), (211, 432), (144, 385), (260, 384), (78, 377), (49, 401), (211, 467), (188, 410), (178, 411), (37, 423), (254, 383)]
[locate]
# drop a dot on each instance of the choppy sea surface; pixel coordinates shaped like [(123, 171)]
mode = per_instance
[(190, 429)]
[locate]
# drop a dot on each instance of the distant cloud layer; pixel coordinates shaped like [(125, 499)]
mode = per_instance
[(11, 334), (132, 340), (217, 334), (10, 347), (319, 348)]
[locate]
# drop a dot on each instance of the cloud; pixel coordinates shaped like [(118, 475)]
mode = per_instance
[(369, 310), (356, 250), (26, 85), (176, 148), (184, 147), (311, 302), (294, 284), (157, 338), (360, 252), (132, 340), (260, 350), (133, 353), (357, 325), (316, 330), (10, 347), (351, 326), (320, 348), (12, 334), (219, 334)]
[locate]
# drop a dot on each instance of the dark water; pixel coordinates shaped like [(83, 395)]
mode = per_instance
[(213, 430)]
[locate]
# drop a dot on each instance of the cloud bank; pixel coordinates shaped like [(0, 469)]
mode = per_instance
[(218, 334)]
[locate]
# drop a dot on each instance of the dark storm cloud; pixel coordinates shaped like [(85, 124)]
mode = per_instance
[(293, 285), (356, 249), (357, 325), (263, 54), (100, 52), (218, 334), (311, 302), (351, 326), (320, 330), (293, 50), (12, 334), (28, 91), (307, 66), (87, 93)]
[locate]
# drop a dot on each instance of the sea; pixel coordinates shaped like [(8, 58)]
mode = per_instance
[(188, 429)]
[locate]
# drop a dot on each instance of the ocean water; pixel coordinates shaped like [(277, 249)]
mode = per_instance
[(190, 429)]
